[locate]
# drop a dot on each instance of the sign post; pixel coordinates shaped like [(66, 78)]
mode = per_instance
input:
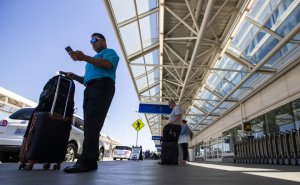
[(136, 153), (137, 125)]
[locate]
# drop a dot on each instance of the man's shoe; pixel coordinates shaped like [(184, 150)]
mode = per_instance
[(79, 168)]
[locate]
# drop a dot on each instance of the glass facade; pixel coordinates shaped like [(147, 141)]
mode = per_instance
[(282, 119)]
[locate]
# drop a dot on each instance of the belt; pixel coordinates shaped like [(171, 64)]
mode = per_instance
[(97, 80)]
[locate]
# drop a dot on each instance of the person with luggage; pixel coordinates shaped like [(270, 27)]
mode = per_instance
[(184, 138), (99, 79), (171, 132)]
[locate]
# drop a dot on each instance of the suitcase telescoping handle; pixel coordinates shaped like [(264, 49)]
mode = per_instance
[(64, 74), (55, 97), (61, 73)]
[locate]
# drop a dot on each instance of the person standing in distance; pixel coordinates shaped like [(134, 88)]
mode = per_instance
[(99, 79), (184, 139)]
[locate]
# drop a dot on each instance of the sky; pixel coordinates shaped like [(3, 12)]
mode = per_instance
[(33, 35)]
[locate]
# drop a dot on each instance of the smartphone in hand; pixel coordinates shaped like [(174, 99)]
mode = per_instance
[(69, 49)]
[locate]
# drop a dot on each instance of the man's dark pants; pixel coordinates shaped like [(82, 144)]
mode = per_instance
[(98, 96)]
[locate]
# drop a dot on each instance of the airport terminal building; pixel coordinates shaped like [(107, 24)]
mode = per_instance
[(232, 65)]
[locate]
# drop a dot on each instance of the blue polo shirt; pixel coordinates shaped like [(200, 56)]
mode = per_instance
[(93, 72)]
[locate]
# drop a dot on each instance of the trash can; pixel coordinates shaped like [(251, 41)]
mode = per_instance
[(191, 154)]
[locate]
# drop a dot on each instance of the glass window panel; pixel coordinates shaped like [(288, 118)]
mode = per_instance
[(288, 24), (276, 59), (146, 5), (145, 96), (226, 88), (237, 94), (244, 37), (130, 37), (252, 54), (228, 141), (213, 80), (255, 57), (122, 13), (149, 68), (256, 8), (137, 70), (152, 58), (149, 30), (152, 78), (194, 110), (296, 112), (142, 83), (277, 13), (240, 34), (280, 120), (238, 133), (258, 127), (155, 91), (264, 15)]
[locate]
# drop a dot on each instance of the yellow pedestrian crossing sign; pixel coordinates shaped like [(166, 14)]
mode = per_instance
[(138, 125)]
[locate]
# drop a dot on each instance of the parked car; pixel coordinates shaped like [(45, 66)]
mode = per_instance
[(122, 152), (12, 130)]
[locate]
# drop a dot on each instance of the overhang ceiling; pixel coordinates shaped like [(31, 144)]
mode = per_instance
[(207, 55)]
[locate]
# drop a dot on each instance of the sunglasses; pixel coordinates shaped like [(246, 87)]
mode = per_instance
[(94, 40)]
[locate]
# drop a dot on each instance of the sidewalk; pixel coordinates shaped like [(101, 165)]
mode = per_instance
[(148, 172)]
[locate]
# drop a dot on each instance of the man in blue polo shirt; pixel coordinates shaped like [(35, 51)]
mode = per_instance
[(99, 79)]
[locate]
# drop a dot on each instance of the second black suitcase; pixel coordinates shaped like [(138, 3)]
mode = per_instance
[(169, 153), (171, 133)]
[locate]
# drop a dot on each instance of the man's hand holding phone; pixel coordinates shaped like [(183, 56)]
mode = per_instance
[(69, 49), (75, 55)]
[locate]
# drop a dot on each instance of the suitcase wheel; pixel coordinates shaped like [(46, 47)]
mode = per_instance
[(56, 167), (46, 166), (28, 167), (22, 165)]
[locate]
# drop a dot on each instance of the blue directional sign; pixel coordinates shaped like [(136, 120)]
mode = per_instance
[(154, 108), (158, 146), (156, 137)]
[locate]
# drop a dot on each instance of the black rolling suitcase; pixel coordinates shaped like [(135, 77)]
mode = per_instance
[(48, 131), (169, 147)]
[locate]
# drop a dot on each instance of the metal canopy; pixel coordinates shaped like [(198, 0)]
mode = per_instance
[(208, 55)]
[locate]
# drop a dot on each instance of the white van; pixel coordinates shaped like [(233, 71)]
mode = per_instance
[(13, 128)]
